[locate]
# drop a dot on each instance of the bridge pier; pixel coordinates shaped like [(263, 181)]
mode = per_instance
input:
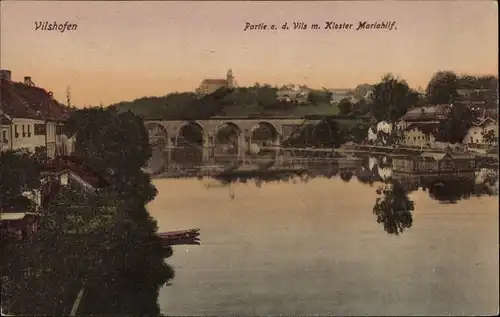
[(208, 145), (242, 146), (170, 148)]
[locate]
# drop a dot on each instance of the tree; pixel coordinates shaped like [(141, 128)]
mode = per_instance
[(391, 99), (326, 133), (314, 98), (489, 137), (442, 88), (393, 208), (454, 129), (68, 97), (361, 107), (20, 175), (397, 136), (345, 106)]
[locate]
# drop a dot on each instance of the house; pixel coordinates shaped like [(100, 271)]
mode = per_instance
[(31, 118), (385, 127), (300, 96), (340, 94), (382, 126), (372, 134), (210, 85), (18, 225), (426, 114), (434, 163), (475, 137), (478, 97), (67, 169), (421, 134)]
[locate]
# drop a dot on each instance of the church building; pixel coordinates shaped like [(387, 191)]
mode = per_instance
[(210, 85)]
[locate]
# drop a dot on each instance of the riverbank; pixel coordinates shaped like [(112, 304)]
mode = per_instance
[(378, 149)]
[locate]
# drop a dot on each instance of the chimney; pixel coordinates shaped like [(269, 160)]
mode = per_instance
[(27, 81), (5, 74)]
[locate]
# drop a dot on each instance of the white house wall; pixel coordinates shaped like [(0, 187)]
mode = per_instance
[(29, 141)]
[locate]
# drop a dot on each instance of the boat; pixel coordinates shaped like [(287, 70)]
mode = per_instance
[(180, 237)]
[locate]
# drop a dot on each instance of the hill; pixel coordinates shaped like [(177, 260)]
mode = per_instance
[(227, 102)]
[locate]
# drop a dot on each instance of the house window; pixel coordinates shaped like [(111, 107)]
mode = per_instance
[(39, 129), (29, 130), (15, 131), (471, 139), (24, 133), (4, 137)]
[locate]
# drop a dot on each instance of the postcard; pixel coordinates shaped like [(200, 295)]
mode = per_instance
[(249, 158)]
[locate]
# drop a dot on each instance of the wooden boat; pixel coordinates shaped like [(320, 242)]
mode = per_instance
[(186, 237)]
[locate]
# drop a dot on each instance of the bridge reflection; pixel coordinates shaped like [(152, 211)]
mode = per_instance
[(192, 160), (270, 163)]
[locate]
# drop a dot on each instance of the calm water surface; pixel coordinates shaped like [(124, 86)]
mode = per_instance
[(316, 249)]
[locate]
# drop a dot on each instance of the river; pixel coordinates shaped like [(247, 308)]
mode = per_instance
[(315, 248)]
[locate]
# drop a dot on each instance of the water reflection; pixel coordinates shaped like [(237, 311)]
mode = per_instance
[(337, 216), (393, 208)]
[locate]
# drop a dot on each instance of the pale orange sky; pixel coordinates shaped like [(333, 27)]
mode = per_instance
[(126, 50)]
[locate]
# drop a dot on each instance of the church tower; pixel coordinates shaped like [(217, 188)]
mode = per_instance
[(230, 79)]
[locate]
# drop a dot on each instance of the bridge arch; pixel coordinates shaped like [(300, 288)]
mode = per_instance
[(191, 132), (263, 131), (263, 136), (228, 124), (227, 136), (158, 140), (158, 134)]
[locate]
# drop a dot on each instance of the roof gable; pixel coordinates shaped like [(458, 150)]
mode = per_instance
[(484, 122), (424, 127), (25, 101)]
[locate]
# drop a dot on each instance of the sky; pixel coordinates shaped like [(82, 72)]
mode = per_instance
[(121, 51)]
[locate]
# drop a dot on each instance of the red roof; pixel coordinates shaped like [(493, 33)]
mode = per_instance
[(19, 100), (78, 168)]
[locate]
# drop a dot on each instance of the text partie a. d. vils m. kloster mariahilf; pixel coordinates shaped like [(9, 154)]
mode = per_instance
[(327, 25)]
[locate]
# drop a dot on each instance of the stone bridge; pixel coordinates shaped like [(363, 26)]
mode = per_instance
[(170, 131)]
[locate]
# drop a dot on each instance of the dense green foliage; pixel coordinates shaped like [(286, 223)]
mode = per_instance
[(345, 106), (243, 101), (489, 137), (328, 133), (445, 87), (442, 88), (186, 105), (456, 127), (103, 241), (19, 173), (392, 97)]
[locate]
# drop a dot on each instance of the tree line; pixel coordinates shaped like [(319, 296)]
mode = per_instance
[(104, 242), (392, 98)]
